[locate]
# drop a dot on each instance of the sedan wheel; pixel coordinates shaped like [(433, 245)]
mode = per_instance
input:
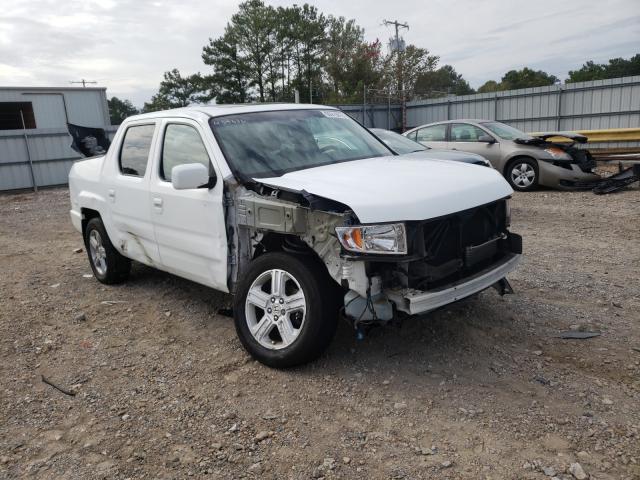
[(523, 175)]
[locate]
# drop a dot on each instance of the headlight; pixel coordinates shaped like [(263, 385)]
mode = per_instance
[(556, 152), (390, 239)]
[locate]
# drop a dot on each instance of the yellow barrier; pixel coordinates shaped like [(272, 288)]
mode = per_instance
[(607, 135)]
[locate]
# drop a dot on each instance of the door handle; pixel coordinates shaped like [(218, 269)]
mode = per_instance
[(157, 202), (111, 193), (454, 148)]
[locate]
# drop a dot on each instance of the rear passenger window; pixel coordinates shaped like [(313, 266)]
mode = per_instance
[(436, 133), (182, 144), (134, 153)]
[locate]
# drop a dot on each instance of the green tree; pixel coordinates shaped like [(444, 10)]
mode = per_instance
[(309, 41), (120, 109), (253, 27), (443, 81), (490, 86), (526, 78), (617, 67), (349, 62), (414, 62), (231, 72), (177, 91), (514, 79)]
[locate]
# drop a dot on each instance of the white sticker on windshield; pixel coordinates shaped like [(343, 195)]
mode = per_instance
[(334, 114)]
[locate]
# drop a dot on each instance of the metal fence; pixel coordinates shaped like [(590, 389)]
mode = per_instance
[(42, 157), (594, 105), (600, 104)]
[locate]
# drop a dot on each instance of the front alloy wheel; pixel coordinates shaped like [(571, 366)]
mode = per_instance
[(284, 309), (275, 309)]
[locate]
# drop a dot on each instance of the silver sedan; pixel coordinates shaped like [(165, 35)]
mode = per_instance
[(404, 146), (526, 161)]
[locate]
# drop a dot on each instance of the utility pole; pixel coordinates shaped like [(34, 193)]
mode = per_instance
[(83, 82), (364, 105), (400, 50)]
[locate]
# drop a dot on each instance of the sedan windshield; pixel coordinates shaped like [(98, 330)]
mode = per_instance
[(504, 131), (396, 142), (268, 144)]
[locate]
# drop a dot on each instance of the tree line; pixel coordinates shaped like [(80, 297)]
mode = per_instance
[(266, 54)]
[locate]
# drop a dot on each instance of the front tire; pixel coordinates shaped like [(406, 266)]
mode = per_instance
[(522, 174), (108, 265), (283, 311)]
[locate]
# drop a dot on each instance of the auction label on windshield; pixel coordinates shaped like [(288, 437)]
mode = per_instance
[(333, 114), (229, 121)]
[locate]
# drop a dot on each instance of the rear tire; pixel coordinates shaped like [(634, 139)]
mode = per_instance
[(108, 266), (284, 312), (522, 174)]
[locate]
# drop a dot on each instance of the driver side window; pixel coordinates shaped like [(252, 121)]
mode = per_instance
[(464, 132), (182, 144)]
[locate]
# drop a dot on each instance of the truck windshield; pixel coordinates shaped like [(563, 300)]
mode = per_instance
[(270, 144)]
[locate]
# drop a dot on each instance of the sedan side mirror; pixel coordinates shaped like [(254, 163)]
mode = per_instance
[(189, 175), (486, 139)]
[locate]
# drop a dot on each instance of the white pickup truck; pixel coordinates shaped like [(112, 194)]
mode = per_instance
[(298, 211)]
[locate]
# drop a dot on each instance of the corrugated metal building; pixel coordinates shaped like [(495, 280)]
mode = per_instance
[(34, 136)]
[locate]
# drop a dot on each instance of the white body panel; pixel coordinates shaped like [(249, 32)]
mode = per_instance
[(400, 188), (185, 232), (185, 235), (189, 224)]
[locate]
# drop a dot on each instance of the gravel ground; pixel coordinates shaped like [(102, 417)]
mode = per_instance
[(481, 389)]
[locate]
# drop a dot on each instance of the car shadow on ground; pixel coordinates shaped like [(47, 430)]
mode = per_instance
[(464, 333)]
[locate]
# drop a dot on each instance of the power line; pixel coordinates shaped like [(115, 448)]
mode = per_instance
[(84, 82)]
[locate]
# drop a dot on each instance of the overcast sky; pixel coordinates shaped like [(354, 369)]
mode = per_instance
[(126, 45)]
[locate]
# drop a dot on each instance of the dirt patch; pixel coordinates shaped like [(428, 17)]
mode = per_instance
[(481, 389)]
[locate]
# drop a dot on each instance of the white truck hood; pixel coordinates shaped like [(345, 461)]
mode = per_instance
[(398, 188)]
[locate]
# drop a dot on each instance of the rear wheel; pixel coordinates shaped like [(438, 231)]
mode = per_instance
[(522, 174), (283, 311), (106, 262)]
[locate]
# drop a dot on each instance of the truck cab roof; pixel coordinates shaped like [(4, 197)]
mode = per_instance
[(206, 111)]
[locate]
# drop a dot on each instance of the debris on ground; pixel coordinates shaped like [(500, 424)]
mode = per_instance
[(578, 335)]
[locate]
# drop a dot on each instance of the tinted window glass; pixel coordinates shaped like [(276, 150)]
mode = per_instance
[(182, 144), (436, 133), (506, 131), (134, 153), (412, 135), (463, 132), (265, 144)]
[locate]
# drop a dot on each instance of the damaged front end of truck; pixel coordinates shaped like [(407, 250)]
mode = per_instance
[(408, 267)]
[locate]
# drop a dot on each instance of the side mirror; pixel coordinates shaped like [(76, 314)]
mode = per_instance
[(486, 139), (189, 175)]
